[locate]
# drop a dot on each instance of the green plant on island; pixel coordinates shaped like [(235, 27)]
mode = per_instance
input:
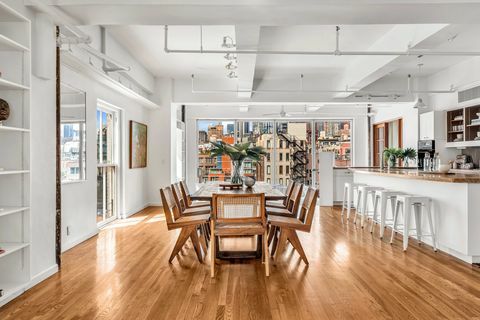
[(393, 154), (237, 153)]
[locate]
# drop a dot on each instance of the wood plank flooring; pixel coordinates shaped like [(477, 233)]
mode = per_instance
[(124, 274)]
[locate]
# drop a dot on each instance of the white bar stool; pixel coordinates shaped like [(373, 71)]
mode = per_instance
[(362, 201), (422, 205), (349, 190), (382, 197)]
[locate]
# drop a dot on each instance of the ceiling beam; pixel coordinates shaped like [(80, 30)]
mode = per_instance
[(365, 70), (246, 37), (272, 12)]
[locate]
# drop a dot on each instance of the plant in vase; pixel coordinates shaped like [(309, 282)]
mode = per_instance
[(392, 154), (237, 153), (408, 154)]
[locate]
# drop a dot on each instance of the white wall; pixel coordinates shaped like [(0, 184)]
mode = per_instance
[(358, 115), (79, 199)]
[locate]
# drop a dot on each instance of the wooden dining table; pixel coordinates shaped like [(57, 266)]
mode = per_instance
[(205, 193)]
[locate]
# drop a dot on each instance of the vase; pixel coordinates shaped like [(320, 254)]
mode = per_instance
[(248, 181), (391, 162), (237, 171), (405, 163)]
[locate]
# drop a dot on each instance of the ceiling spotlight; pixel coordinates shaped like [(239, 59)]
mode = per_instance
[(232, 75), (228, 42), (230, 56), (419, 104), (231, 66)]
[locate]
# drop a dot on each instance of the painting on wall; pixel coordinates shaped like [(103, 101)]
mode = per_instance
[(138, 145)]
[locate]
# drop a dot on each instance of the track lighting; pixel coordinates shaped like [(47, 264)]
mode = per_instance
[(231, 66), (419, 104), (228, 42), (230, 56)]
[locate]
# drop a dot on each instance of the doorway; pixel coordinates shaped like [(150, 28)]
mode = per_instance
[(107, 164), (386, 135)]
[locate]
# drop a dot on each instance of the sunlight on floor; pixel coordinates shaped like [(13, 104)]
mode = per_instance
[(122, 223)]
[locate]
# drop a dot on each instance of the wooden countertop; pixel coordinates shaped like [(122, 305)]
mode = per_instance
[(420, 175)]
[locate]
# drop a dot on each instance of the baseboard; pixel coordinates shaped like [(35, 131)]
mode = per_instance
[(70, 245), (132, 212), (42, 276), (155, 204)]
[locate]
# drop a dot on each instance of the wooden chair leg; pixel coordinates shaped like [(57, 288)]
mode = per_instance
[(275, 242), (212, 249), (271, 233), (182, 238), (295, 241), (196, 244), (282, 241), (266, 254), (203, 241)]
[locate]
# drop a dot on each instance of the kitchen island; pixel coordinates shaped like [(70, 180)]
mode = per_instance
[(456, 204)]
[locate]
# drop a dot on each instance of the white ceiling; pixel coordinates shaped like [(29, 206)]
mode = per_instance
[(303, 25)]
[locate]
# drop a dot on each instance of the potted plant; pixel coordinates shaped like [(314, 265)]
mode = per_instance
[(408, 154), (237, 153), (392, 154)]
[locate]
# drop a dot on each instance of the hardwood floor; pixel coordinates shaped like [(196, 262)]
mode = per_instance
[(124, 274)]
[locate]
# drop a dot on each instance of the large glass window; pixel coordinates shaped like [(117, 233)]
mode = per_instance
[(335, 136), (73, 134), (288, 143), (219, 168), (294, 140)]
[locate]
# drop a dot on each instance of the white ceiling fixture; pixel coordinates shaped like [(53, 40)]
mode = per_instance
[(228, 42), (419, 104), (232, 75)]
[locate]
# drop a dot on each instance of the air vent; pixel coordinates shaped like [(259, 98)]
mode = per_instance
[(469, 94)]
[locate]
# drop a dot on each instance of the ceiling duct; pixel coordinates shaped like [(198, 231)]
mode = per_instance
[(469, 94), (335, 52)]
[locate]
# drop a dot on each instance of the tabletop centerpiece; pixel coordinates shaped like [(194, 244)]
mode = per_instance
[(238, 153)]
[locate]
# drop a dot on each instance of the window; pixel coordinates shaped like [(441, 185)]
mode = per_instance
[(335, 136), (286, 142), (73, 134), (280, 180), (218, 168), (107, 133)]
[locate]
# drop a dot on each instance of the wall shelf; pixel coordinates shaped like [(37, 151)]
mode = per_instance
[(7, 44), (6, 172), (15, 184), (11, 248), (7, 128), (11, 290), (7, 210), (9, 85)]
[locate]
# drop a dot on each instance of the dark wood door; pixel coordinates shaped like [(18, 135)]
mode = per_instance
[(380, 141)]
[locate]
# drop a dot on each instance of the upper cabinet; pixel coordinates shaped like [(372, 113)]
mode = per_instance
[(463, 127), (431, 126), (427, 127)]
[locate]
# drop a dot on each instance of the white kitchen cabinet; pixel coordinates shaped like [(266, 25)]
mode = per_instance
[(427, 126), (431, 126)]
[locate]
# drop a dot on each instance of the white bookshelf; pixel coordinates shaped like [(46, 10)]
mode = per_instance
[(15, 226)]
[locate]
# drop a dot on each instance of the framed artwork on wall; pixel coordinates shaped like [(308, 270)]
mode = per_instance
[(138, 145)]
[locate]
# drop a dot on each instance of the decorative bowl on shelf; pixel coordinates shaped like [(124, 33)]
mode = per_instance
[(444, 168)]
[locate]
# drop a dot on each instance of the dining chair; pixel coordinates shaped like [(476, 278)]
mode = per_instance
[(289, 226), (293, 203), (189, 225), (189, 203), (283, 204), (185, 210), (239, 215)]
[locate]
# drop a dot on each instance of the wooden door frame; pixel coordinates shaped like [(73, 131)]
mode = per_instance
[(385, 125)]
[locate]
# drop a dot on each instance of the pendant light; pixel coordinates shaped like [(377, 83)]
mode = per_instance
[(419, 104)]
